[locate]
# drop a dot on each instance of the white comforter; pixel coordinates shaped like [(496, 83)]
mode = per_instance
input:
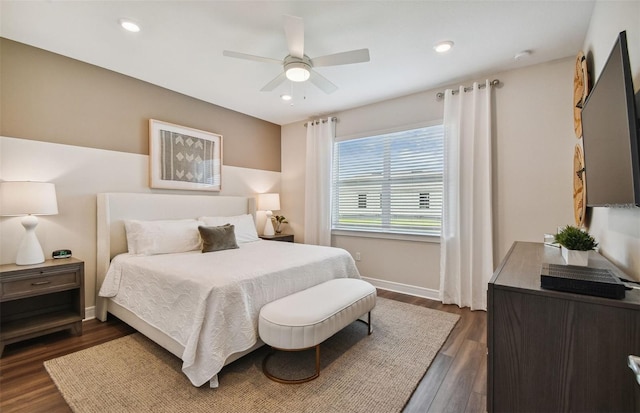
[(210, 302)]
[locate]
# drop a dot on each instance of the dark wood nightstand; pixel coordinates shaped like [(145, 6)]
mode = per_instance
[(40, 299), (278, 237)]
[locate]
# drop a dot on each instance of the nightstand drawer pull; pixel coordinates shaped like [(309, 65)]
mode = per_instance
[(41, 283)]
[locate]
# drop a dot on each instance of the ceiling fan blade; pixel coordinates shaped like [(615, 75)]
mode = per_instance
[(274, 83), (322, 83), (294, 31), (344, 58), (245, 56)]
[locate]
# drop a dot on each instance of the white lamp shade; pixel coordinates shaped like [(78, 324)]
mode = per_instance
[(28, 198), (269, 202)]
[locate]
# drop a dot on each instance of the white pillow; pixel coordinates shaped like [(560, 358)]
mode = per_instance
[(245, 227), (162, 237)]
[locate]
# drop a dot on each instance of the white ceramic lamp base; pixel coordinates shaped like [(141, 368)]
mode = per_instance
[(268, 226), (30, 251)]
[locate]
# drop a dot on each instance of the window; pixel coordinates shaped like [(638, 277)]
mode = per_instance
[(389, 183)]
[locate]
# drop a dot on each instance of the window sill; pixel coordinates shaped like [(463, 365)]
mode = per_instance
[(384, 235)]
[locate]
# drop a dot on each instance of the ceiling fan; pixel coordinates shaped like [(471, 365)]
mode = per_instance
[(297, 66)]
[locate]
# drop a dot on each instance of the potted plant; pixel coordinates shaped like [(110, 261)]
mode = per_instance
[(278, 220), (575, 245)]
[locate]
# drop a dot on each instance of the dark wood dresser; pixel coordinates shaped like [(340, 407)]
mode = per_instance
[(552, 351)]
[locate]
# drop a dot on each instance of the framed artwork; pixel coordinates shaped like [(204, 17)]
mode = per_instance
[(184, 158)]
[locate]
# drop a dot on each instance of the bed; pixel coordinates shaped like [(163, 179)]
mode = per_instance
[(202, 307)]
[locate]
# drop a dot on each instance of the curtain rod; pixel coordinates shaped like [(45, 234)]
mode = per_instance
[(494, 82), (323, 121)]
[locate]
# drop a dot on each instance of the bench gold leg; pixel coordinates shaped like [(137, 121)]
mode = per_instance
[(317, 372), (286, 381)]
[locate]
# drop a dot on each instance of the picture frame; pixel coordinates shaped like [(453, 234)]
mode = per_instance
[(184, 158)]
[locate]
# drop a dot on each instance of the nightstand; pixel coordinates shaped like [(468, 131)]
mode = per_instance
[(40, 299), (278, 237)]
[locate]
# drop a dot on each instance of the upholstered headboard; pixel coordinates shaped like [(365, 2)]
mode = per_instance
[(114, 208)]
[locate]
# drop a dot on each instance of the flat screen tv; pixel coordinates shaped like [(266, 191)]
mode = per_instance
[(610, 134)]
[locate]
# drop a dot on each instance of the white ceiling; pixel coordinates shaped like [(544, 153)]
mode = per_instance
[(181, 43)]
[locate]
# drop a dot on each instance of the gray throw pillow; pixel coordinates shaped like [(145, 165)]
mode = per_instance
[(218, 238)]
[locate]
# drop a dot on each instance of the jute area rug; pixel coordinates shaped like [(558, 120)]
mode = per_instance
[(359, 373)]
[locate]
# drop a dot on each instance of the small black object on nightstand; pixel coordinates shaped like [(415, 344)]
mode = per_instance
[(61, 254)]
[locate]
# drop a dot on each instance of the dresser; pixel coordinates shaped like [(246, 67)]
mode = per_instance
[(552, 351), (40, 299)]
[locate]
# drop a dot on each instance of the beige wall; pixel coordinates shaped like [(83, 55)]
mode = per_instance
[(533, 154), (52, 98), (617, 229), (85, 129), (532, 171)]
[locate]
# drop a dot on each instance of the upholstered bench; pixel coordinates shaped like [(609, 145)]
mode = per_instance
[(307, 318)]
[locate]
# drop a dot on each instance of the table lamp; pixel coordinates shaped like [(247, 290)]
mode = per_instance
[(269, 203), (28, 199)]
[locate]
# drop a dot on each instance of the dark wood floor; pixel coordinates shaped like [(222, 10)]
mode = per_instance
[(455, 382)]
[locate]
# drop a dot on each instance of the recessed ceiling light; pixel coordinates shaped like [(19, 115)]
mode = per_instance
[(129, 25), (522, 55), (443, 46), (285, 97)]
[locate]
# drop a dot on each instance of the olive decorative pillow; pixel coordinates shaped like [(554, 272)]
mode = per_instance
[(218, 238)]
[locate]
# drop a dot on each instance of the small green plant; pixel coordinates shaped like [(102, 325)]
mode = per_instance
[(573, 238), (279, 219)]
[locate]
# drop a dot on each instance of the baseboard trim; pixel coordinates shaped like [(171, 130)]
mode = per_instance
[(89, 313), (404, 288)]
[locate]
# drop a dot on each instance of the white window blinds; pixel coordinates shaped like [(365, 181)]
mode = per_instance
[(389, 183)]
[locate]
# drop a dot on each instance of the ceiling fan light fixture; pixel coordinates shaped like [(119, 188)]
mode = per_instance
[(443, 47), (297, 72), (129, 25)]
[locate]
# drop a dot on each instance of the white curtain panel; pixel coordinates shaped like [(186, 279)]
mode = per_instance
[(466, 245), (317, 191)]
